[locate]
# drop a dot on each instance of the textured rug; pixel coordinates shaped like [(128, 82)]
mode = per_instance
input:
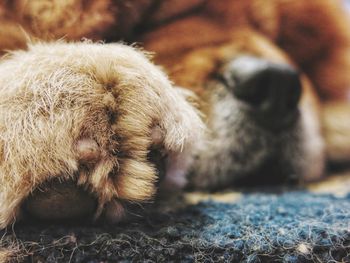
[(294, 226)]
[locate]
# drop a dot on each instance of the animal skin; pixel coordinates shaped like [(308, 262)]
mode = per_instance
[(258, 90)]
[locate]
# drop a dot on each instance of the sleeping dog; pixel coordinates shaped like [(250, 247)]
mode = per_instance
[(257, 91)]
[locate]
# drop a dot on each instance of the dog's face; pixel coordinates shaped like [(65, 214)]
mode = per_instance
[(261, 113), (263, 128)]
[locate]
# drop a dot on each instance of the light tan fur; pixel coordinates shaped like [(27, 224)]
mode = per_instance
[(56, 94)]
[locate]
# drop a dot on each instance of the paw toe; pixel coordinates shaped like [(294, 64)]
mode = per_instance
[(87, 150)]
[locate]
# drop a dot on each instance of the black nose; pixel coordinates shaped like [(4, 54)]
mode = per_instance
[(271, 90)]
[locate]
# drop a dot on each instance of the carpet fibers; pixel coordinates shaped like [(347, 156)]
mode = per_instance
[(295, 226)]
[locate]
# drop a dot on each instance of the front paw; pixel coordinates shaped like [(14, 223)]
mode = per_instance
[(90, 113)]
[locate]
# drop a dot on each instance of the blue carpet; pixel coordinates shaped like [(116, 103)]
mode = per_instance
[(290, 227)]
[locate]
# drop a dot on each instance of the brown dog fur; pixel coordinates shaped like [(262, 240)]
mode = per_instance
[(313, 33), (192, 40)]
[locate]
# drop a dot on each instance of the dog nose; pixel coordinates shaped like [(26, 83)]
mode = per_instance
[(271, 90)]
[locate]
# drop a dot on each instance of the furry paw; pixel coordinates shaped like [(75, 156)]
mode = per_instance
[(91, 114)]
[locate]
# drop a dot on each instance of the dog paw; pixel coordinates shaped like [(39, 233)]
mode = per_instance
[(94, 114)]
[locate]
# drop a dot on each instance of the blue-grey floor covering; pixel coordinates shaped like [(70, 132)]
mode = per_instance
[(293, 227)]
